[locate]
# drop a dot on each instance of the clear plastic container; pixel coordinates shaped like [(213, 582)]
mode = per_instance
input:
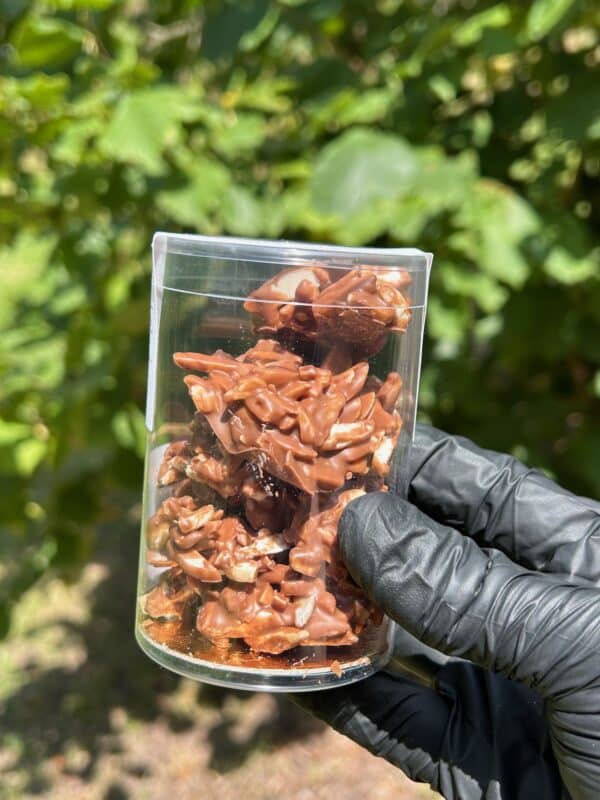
[(282, 384)]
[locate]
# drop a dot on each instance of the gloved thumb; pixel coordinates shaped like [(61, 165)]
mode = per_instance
[(464, 600)]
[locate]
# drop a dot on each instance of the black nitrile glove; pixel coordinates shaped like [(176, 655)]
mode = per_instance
[(493, 563)]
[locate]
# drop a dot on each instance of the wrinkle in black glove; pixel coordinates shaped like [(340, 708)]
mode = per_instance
[(523, 608)]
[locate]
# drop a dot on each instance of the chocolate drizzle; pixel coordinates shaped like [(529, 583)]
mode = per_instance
[(279, 445)]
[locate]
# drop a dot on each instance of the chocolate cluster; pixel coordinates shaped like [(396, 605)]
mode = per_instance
[(352, 311), (284, 436)]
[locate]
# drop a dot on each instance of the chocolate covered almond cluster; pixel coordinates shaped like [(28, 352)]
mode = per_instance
[(283, 438), (351, 311), (274, 591), (304, 425)]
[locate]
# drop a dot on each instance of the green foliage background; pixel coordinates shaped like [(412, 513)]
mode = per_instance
[(470, 129)]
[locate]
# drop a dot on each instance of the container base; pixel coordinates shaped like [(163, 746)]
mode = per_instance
[(259, 680)]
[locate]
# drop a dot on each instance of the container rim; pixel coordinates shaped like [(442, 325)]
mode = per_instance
[(285, 250), (278, 303)]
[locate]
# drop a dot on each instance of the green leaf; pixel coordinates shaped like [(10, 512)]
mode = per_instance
[(13, 432), (442, 88), (274, 217), (488, 327), (486, 291), (72, 144), (254, 38), (202, 193), (266, 94), (241, 212), (544, 15), (29, 454), (144, 122), (225, 29), (565, 268), (442, 184), (83, 5), (472, 30), (445, 181), (24, 276), (129, 428), (286, 170), (495, 221), (42, 91), (433, 39), (20, 451), (46, 42), (445, 323), (332, 110), (360, 168), (483, 127), (366, 107), (242, 135)]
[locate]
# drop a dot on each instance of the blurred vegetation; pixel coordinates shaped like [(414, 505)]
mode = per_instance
[(468, 129)]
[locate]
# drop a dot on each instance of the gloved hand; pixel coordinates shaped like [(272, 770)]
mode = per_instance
[(494, 563)]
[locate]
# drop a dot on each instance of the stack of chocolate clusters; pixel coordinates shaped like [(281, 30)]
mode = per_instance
[(284, 436)]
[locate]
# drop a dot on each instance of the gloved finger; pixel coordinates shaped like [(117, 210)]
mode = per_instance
[(478, 736), (495, 499), (467, 602), (391, 717), (413, 659)]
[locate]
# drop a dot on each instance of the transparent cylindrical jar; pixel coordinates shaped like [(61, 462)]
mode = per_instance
[(282, 385)]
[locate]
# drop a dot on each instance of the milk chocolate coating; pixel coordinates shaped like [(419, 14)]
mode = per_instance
[(302, 424), (278, 446), (244, 592)]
